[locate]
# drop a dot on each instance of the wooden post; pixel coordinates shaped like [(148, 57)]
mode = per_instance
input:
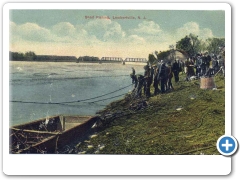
[(62, 119), (64, 123)]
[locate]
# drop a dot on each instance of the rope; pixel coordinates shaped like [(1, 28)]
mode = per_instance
[(68, 102), (106, 98)]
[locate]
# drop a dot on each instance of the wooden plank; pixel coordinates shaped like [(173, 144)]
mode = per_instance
[(34, 131)]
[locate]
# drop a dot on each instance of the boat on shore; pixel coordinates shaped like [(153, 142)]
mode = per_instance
[(47, 135)]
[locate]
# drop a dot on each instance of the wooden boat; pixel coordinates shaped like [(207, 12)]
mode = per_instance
[(47, 135)]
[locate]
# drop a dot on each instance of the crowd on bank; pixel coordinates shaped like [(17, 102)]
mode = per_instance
[(161, 74)]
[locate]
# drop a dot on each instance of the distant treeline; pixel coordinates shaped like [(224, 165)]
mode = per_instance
[(31, 56), (87, 58), (51, 58), (28, 56)]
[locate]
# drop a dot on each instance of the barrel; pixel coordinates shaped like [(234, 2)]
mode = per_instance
[(207, 83)]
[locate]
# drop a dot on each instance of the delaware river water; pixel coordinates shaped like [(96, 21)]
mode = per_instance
[(54, 82)]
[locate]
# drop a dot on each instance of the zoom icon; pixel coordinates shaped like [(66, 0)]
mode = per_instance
[(227, 145)]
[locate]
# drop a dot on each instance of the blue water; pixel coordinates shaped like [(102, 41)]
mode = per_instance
[(51, 82)]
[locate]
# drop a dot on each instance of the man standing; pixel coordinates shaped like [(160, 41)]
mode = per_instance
[(182, 66), (147, 80), (198, 66), (169, 78), (155, 80), (175, 69), (133, 71), (162, 75), (133, 76)]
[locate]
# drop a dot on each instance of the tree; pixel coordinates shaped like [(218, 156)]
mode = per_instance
[(87, 58), (190, 44), (163, 54), (202, 46), (214, 45), (30, 56), (15, 56), (184, 44), (151, 59), (195, 44)]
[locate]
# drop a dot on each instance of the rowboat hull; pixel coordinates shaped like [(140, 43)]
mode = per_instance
[(47, 135)]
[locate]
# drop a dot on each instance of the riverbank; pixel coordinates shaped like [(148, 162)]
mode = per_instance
[(187, 120)]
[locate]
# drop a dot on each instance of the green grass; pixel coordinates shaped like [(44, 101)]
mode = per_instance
[(160, 128)]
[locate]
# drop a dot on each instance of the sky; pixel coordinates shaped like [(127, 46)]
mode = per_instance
[(109, 33)]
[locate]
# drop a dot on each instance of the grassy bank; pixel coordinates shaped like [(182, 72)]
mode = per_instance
[(186, 120)]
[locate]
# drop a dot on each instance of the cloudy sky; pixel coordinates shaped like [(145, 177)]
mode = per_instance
[(101, 33)]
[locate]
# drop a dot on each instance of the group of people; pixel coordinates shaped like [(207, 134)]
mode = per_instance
[(161, 74), (204, 65), (209, 65)]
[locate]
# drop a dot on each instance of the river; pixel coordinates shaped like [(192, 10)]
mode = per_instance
[(41, 89)]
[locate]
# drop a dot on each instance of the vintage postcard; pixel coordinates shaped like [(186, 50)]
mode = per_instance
[(117, 82)]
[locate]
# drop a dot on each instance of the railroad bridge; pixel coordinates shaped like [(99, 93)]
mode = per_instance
[(126, 60), (136, 60), (111, 59)]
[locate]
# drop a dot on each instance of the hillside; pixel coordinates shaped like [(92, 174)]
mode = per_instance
[(187, 120)]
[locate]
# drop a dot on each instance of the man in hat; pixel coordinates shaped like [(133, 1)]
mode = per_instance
[(155, 80), (147, 80), (182, 66), (175, 69), (162, 75), (133, 71), (133, 76), (169, 76)]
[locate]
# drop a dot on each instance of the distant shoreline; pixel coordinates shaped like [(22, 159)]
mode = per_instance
[(94, 62)]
